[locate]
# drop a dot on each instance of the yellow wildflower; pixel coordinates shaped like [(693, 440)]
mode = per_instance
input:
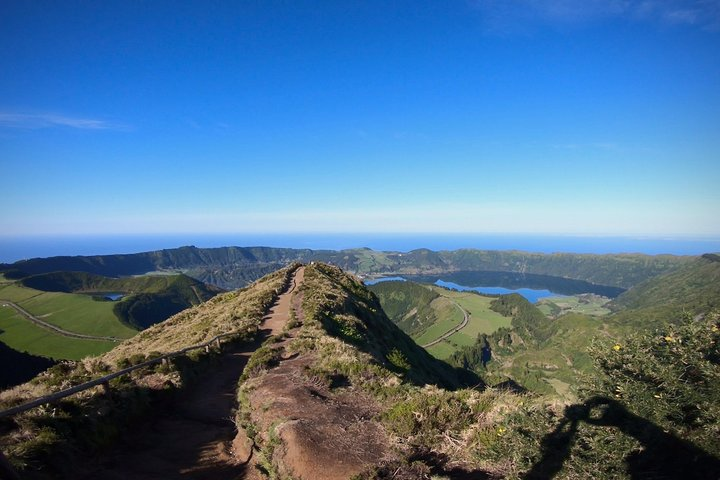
[(617, 347), (500, 431), (669, 339)]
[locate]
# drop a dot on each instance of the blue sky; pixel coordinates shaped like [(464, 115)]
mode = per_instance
[(476, 116)]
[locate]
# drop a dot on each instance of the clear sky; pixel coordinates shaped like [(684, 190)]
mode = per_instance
[(480, 116)]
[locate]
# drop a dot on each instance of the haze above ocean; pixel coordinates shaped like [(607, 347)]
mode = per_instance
[(18, 248)]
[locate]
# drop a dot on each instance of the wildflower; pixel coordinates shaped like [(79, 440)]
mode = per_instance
[(669, 339), (500, 431), (617, 347)]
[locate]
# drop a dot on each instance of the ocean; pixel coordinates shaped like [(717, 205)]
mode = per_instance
[(18, 248)]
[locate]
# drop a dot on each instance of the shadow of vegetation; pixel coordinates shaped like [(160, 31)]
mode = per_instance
[(663, 455)]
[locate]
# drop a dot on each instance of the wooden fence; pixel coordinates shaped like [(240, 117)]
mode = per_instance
[(105, 381)]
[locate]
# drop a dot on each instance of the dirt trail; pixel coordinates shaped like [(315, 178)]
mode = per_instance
[(194, 440)]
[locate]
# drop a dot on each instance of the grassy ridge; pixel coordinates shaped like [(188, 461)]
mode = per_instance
[(54, 443)]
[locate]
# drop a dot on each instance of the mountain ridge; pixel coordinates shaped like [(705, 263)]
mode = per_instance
[(233, 267)]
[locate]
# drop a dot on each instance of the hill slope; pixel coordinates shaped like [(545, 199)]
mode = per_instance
[(149, 299), (691, 288)]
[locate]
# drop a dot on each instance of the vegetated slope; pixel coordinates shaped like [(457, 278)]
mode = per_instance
[(411, 306), (312, 400), (57, 443), (24, 366), (325, 388), (150, 298), (428, 312), (546, 354), (692, 288), (232, 267)]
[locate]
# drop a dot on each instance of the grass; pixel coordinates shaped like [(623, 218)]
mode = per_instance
[(20, 334), (482, 320), (451, 318), (16, 293), (584, 304), (442, 350), (73, 312)]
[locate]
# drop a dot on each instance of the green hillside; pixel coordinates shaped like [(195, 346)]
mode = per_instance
[(551, 354), (411, 306), (74, 301), (688, 290), (148, 299), (426, 312)]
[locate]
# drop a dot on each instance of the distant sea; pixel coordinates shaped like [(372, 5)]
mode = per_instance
[(18, 248)]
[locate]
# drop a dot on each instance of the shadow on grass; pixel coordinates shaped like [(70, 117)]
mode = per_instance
[(663, 455)]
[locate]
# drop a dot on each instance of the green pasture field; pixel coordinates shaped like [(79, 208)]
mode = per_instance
[(450, 317), (22, 335), (482, 318), (442, 350), (554, 306), (369, 261), (73, 312), (16, 293)]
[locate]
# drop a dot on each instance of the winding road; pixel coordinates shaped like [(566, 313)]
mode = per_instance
[(454, 330), (50, 326)]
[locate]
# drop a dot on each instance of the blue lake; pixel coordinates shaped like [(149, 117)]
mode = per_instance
[(532, 295)]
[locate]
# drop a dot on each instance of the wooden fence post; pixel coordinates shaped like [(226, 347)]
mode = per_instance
[(106, 389)]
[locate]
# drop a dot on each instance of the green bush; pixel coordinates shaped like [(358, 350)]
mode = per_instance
[(670, 378)]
